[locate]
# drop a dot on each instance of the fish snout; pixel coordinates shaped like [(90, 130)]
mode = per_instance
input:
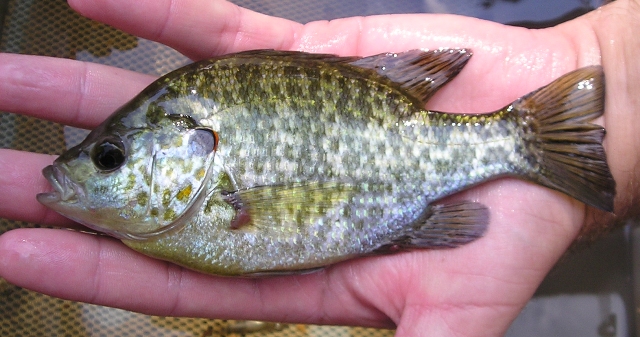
[(63, 187)]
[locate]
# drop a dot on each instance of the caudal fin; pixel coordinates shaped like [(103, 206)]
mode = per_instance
[(567, 149)]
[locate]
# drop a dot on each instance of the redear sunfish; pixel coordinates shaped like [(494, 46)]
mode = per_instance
[(266, 162)]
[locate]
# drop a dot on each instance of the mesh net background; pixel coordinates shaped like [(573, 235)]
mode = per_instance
[(50, 27)]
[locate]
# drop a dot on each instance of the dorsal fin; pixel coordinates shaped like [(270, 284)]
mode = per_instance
[(292, 55), (420, 73)]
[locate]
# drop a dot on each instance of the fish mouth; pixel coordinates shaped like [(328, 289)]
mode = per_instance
[(63, 188)]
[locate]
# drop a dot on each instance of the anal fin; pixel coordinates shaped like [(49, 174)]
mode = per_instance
[(445, 225)]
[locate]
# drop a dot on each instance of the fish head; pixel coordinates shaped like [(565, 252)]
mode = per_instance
[(134, 178)]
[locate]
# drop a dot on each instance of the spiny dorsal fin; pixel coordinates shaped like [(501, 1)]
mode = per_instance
[(287, 206), (299, 56), (420, 73)]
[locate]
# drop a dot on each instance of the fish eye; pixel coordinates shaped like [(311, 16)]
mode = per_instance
[(108, 155)]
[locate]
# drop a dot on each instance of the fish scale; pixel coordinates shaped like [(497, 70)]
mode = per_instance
[(274, 162)]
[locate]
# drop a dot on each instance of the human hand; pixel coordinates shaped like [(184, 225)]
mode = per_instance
[(474, 290)]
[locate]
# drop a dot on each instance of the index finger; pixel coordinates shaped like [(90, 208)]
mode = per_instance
[(69, 92), (510, 61), (199, 28)]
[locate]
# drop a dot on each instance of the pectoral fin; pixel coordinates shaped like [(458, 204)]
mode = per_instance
[(287, 206)]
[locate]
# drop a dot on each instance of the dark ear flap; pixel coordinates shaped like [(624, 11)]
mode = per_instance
[(202, 142)]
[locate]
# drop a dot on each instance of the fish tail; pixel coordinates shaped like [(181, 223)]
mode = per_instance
[(444, 225), (565, 149)]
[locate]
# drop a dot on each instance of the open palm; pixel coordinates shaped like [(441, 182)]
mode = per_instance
[(474, 290)]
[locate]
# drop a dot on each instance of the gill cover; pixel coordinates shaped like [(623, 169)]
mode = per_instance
[(181, 164), (134, 183)]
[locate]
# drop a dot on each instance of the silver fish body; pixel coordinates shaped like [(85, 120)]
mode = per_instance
[(269, 162)]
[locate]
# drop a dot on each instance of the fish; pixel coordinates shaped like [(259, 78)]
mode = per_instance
[(247, 327), (275, 162)]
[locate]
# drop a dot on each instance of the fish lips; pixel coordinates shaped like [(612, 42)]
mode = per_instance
[(63, 188)]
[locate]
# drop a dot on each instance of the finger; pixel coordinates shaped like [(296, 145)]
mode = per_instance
[(487, 280), (83, 94), (199, 28), (65, 91), (506, 65), (484, 289), (612, 24), (508, 61), (21, 180), (101, 270)]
